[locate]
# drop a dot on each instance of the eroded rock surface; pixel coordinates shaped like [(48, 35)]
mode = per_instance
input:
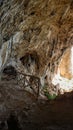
[(34, 36)]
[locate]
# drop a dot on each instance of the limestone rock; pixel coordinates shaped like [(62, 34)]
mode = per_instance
[(64, 75), (35, 35), (36, 54)]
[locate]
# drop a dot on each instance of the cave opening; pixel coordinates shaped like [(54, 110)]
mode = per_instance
[(63, 76), (12, 123), (9, 72), (31, 62)]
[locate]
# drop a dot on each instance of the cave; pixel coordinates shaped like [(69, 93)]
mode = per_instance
[(36, 64), (64, 72), (9, 72), (12, 123), (31, 62)]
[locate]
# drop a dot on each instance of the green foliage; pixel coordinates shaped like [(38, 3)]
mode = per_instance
[(49, 96)]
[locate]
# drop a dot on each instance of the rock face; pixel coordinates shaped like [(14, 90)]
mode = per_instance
[(33, 37), (36, 56), (64, 75)]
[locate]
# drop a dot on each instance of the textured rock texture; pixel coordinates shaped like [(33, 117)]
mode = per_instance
[(34, 35), (64, 75), (36, 38)]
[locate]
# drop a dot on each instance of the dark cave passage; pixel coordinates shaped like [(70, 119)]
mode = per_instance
[(13, 123)]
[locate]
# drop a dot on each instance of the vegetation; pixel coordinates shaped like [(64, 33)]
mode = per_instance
[(49, 96)]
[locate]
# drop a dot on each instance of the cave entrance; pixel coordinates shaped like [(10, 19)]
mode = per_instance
[(12, 123), (9, 72), (64, 75), (31, 62)]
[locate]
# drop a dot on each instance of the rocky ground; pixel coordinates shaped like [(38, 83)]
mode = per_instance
[(21, 110)]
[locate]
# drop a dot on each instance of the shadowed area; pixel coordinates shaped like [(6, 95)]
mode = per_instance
[(22, 110)]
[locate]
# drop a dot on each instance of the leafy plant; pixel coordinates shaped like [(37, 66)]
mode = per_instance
[(49, 96)]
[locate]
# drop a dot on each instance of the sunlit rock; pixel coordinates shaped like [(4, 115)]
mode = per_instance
[(5, 52), (64, 75)]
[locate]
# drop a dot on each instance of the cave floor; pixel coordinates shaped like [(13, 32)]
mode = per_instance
[(32, 113), (53, 115)]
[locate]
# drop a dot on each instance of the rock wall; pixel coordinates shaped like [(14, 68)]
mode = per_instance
[(34, 35)]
